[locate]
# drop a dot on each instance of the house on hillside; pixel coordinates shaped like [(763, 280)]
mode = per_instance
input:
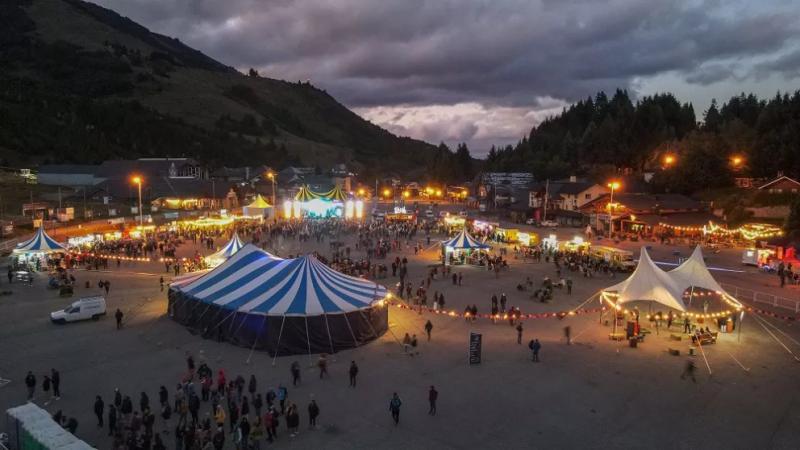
[(564, 200), (781, 185)]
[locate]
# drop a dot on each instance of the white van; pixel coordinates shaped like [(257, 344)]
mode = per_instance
[(82, 309)]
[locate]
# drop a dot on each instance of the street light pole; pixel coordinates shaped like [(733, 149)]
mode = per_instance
[(141, 220)]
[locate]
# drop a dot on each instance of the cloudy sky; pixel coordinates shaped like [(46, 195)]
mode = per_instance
[(486, 71)]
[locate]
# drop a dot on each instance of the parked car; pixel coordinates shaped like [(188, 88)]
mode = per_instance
[(82, 309), (531, 222), (549, 223), (429, 214)]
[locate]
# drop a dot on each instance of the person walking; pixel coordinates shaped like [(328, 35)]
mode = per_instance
[(112, 420), (394, 408), (353, 373), (55, 378), (30, 383), (689, 371), (568, 334), (433, 395), (99, 409), (313, 412), (119, 315), (535, 346), (322, 363), (428, 328), (295, 369), (161, 283), (46, 389), (519, 333)]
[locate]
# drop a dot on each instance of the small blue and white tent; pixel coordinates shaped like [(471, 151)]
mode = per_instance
[(463, 241), (233, 246), (285, 306), (41, 243)]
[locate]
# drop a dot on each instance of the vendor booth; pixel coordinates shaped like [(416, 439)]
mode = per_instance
[(258, 208), (463, 249), (34, 252), (528, 239), (576, 244), (506, 235), (283, 306)]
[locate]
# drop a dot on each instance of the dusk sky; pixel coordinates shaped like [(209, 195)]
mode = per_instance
[(484, 71)]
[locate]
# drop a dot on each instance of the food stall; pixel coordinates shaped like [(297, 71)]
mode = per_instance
[(507, 235), (454, 223), (528, 239), (577, 244), (463, 249), (616, 257), (758, 257)]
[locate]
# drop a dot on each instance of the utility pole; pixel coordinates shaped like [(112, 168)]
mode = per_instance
[(546, 194)]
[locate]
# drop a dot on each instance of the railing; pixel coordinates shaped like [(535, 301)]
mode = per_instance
[(762, 297)]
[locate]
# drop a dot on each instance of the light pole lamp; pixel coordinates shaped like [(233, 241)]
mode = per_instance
[(138, 180), (613, 186), (271, 176)]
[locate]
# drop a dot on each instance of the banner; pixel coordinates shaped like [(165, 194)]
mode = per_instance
[(475, 348)]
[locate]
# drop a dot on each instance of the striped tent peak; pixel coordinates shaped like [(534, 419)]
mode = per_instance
[(335, 194), (40, 242), (305, 194), (253, 283), (464, 240)]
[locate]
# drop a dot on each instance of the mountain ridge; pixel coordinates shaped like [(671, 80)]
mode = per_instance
[(84, 84)]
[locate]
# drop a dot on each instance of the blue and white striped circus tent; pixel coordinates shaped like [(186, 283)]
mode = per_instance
[(233, 246), (284, 306), (464, 241), (41, 242)]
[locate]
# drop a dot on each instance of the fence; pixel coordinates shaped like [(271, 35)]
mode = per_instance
[(762, 297)]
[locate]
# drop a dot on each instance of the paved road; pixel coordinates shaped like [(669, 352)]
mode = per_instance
[(594, 394)]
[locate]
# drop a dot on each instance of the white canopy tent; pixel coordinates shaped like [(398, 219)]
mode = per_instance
[(649, 283)]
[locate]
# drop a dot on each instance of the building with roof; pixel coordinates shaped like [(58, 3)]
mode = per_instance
[(73, 175), (641, 213), (781, 185)]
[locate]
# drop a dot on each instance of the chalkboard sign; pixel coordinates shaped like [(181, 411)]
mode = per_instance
[(475, 348)]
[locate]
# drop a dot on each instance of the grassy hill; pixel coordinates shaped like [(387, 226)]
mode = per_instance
[(80, 83)]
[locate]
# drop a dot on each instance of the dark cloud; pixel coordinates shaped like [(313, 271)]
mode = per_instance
[(408, 54)]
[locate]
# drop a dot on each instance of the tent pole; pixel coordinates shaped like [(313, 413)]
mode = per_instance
[(375, 333), (330, 339), (255, 341), (308, 342), (277, 347), (347, 321)]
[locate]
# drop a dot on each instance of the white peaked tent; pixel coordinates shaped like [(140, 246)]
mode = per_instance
[(649, 283), (694, 273)]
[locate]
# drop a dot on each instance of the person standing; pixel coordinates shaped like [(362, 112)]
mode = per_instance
[(30, 383), (295, 369), (313, 412), (568, 334), (433, 395), (46, 389), (394, 408), (535, 346), (161, 283), (689, 371), (112, 420), (322, 363), (55, 378), (519, 333), (119, 315), (353, 373), (428, 328), (99, 409)]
